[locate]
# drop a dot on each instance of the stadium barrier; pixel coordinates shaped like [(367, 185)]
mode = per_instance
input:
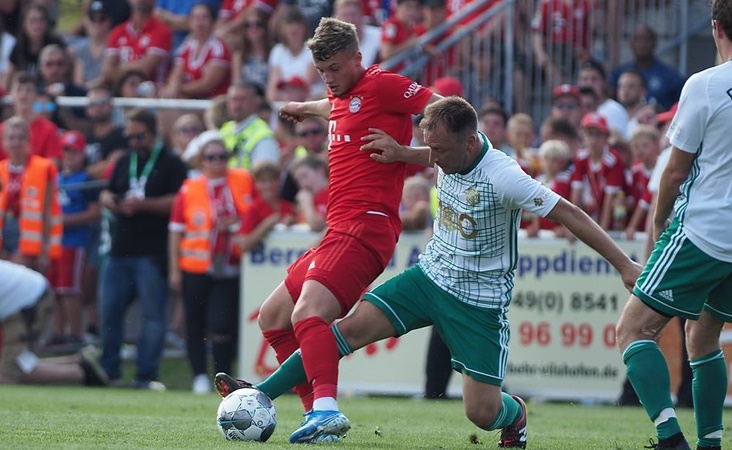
[(566, 302)]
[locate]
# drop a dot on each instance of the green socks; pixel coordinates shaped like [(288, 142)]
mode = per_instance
[(709, 388), (509, 413), (648, 373)]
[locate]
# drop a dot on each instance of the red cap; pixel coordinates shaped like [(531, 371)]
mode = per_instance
[(447, 86), (296, 82), (668, 115), (595, 120), (73, 140), (566, 89)]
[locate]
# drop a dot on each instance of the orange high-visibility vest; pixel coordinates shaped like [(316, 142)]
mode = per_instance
[(33, 191), (195, 246)]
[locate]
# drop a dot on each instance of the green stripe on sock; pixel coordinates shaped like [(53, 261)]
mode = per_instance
[(343, 348), (509, 413)]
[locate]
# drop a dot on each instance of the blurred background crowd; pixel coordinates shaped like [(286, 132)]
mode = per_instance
[(142, 152)]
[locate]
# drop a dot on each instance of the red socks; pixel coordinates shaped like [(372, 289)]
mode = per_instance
[(319, 355), (284, 344)]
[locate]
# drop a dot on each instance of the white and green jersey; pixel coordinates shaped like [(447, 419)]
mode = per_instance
[(702, 126), (473, 252)]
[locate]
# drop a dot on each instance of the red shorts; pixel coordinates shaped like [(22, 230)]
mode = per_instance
[(67, 272), (349, 258)]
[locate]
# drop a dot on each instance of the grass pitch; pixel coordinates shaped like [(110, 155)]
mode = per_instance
[(85, 418)]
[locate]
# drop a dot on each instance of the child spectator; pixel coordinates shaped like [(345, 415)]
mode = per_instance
[(598, 175), (645, 146), (520, 136), (555, 160), (267, 210), (80, 209), (311, 175), (415, 206)]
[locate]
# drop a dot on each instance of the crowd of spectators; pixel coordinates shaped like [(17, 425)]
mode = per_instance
[(597, 147)]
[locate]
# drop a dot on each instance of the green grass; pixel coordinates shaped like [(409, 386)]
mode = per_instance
[(84, 418)]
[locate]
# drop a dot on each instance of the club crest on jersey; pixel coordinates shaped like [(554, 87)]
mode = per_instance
[(355, 105), (472, 196)]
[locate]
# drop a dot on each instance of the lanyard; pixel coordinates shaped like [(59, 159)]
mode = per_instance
[(139, 183)]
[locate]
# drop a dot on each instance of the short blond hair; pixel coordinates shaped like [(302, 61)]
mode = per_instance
[(520, 119), (645, 131), (554, 149), (16, 123)]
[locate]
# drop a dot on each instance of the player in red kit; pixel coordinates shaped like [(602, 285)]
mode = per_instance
[(362, 219)]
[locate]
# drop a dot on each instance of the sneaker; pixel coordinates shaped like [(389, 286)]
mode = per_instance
[(201, 384), (665, 445), (94, 374), (323, 437), (149, 385), (319, 423), (226, 384), (514, 436)]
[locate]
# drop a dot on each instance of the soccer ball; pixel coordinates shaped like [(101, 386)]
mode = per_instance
[(246, 415)]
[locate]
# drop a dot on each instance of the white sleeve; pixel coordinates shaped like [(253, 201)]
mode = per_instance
[(654, 182), (689, 124), (517, 190)]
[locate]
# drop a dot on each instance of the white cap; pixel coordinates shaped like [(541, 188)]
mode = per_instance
[(198, 142)]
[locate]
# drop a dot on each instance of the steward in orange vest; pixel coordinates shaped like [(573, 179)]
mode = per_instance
[(195, 245), (35, 192)]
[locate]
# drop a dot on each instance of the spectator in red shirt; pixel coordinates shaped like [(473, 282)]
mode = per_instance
[(44, 137), (202, 66), (561, 38), (555, 160), (311, 175), (598, 172), (397, 33), (645, 146), (566, 103), (267, 210), (142, 44)]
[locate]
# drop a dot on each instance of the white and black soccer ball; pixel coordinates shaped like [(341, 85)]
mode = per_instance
[(246, 415)]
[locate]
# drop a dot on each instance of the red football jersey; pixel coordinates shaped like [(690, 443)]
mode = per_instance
[(564, 23), (260, 210), (44, 139), (214, 53), (131, 44), (358, 184), (607, 176)]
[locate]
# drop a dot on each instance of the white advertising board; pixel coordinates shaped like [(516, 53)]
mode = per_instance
[(565, 305)]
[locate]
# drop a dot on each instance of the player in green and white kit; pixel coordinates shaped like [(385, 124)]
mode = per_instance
[(464, 279), (689, 273)]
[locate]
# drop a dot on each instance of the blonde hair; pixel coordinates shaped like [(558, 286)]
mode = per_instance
[(216, 115), (554, 149), (417, 182), (16, 123), (187, 119), (520, 119), (645, 131), (265, 170)]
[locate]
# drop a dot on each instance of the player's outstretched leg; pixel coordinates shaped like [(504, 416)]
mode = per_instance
[(319, 423), (226, 384), (514, 435)]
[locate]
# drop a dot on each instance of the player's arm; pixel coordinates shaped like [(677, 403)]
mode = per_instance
[(387, 150), (589, 232), (676, 172), (297, 111)]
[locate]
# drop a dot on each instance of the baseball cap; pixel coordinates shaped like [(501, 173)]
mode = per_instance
[(96, 8), (595, 120), (566, 89), (668, 115), (447, 86), (73, 140), (296, 82)]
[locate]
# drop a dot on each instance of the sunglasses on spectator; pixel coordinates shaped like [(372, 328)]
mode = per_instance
[(98, 18), (189, 130), (253, 24), (216, 157), (55, 62), (311, 132), (99, 103), (569, 106), (135, 137), (44, 107)]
